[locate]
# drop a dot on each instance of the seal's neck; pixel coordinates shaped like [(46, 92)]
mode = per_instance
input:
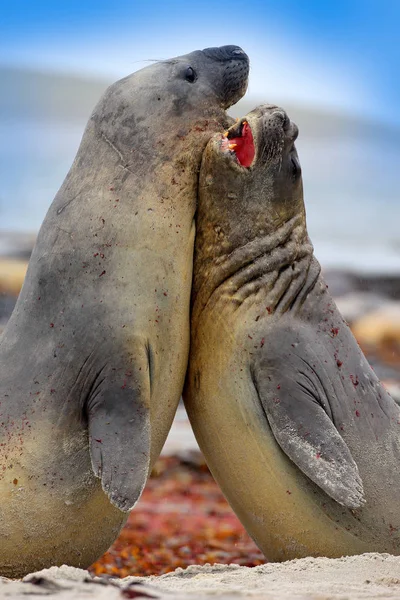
[(272, 268)]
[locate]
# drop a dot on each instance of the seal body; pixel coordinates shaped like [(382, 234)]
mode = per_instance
[(294, 424), (93, 358)]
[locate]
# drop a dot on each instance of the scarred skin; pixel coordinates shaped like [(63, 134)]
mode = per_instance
[(93, 359), (297, 430)]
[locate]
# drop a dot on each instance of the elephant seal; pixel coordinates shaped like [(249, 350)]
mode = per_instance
[(294, 424), (94, 356)]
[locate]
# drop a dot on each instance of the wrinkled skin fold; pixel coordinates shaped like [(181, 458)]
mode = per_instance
[(93, 359), (294, 424)]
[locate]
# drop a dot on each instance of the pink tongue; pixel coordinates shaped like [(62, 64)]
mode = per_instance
[(244, 150)]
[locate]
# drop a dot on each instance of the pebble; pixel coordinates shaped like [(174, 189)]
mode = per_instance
[(12, 275), (393, 387), (354, 305), (380, 327), (345, 282)]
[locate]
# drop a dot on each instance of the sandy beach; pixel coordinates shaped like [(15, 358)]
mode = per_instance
[(352, 578)]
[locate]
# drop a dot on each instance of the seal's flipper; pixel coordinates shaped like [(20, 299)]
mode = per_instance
[(294, 386), (119, 436)]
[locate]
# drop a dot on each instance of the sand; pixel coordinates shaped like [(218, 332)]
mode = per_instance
[(358, 577)]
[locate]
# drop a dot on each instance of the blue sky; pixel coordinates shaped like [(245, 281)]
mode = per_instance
[(343, 54)]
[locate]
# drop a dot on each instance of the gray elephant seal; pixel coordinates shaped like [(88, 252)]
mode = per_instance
[(94, 356), (295, 426)]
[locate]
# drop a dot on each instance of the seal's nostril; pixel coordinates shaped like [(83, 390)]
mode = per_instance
[(286, 122), (226, 53), (282, 116), (294, 131)]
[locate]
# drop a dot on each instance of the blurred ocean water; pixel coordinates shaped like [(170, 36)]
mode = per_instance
[(350, 167)]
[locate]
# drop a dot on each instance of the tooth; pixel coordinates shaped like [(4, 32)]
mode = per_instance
[(232, 146), (226, 133)]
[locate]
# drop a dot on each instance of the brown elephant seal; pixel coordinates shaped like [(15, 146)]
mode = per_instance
[(295, 426), (94, 356)]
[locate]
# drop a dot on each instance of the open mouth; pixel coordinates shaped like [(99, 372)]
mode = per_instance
[(239, 142)]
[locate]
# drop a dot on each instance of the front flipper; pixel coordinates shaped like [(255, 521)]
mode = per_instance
[(119, 431), (294, 376)]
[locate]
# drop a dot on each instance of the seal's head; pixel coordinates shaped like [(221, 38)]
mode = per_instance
[(250, 181), (203, 84)]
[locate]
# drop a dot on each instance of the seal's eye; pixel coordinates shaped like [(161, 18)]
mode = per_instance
[(295, 167), (190, 75)]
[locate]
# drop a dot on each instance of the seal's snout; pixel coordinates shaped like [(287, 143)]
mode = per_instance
[(267, 132), (231, 67), (280, 116)]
